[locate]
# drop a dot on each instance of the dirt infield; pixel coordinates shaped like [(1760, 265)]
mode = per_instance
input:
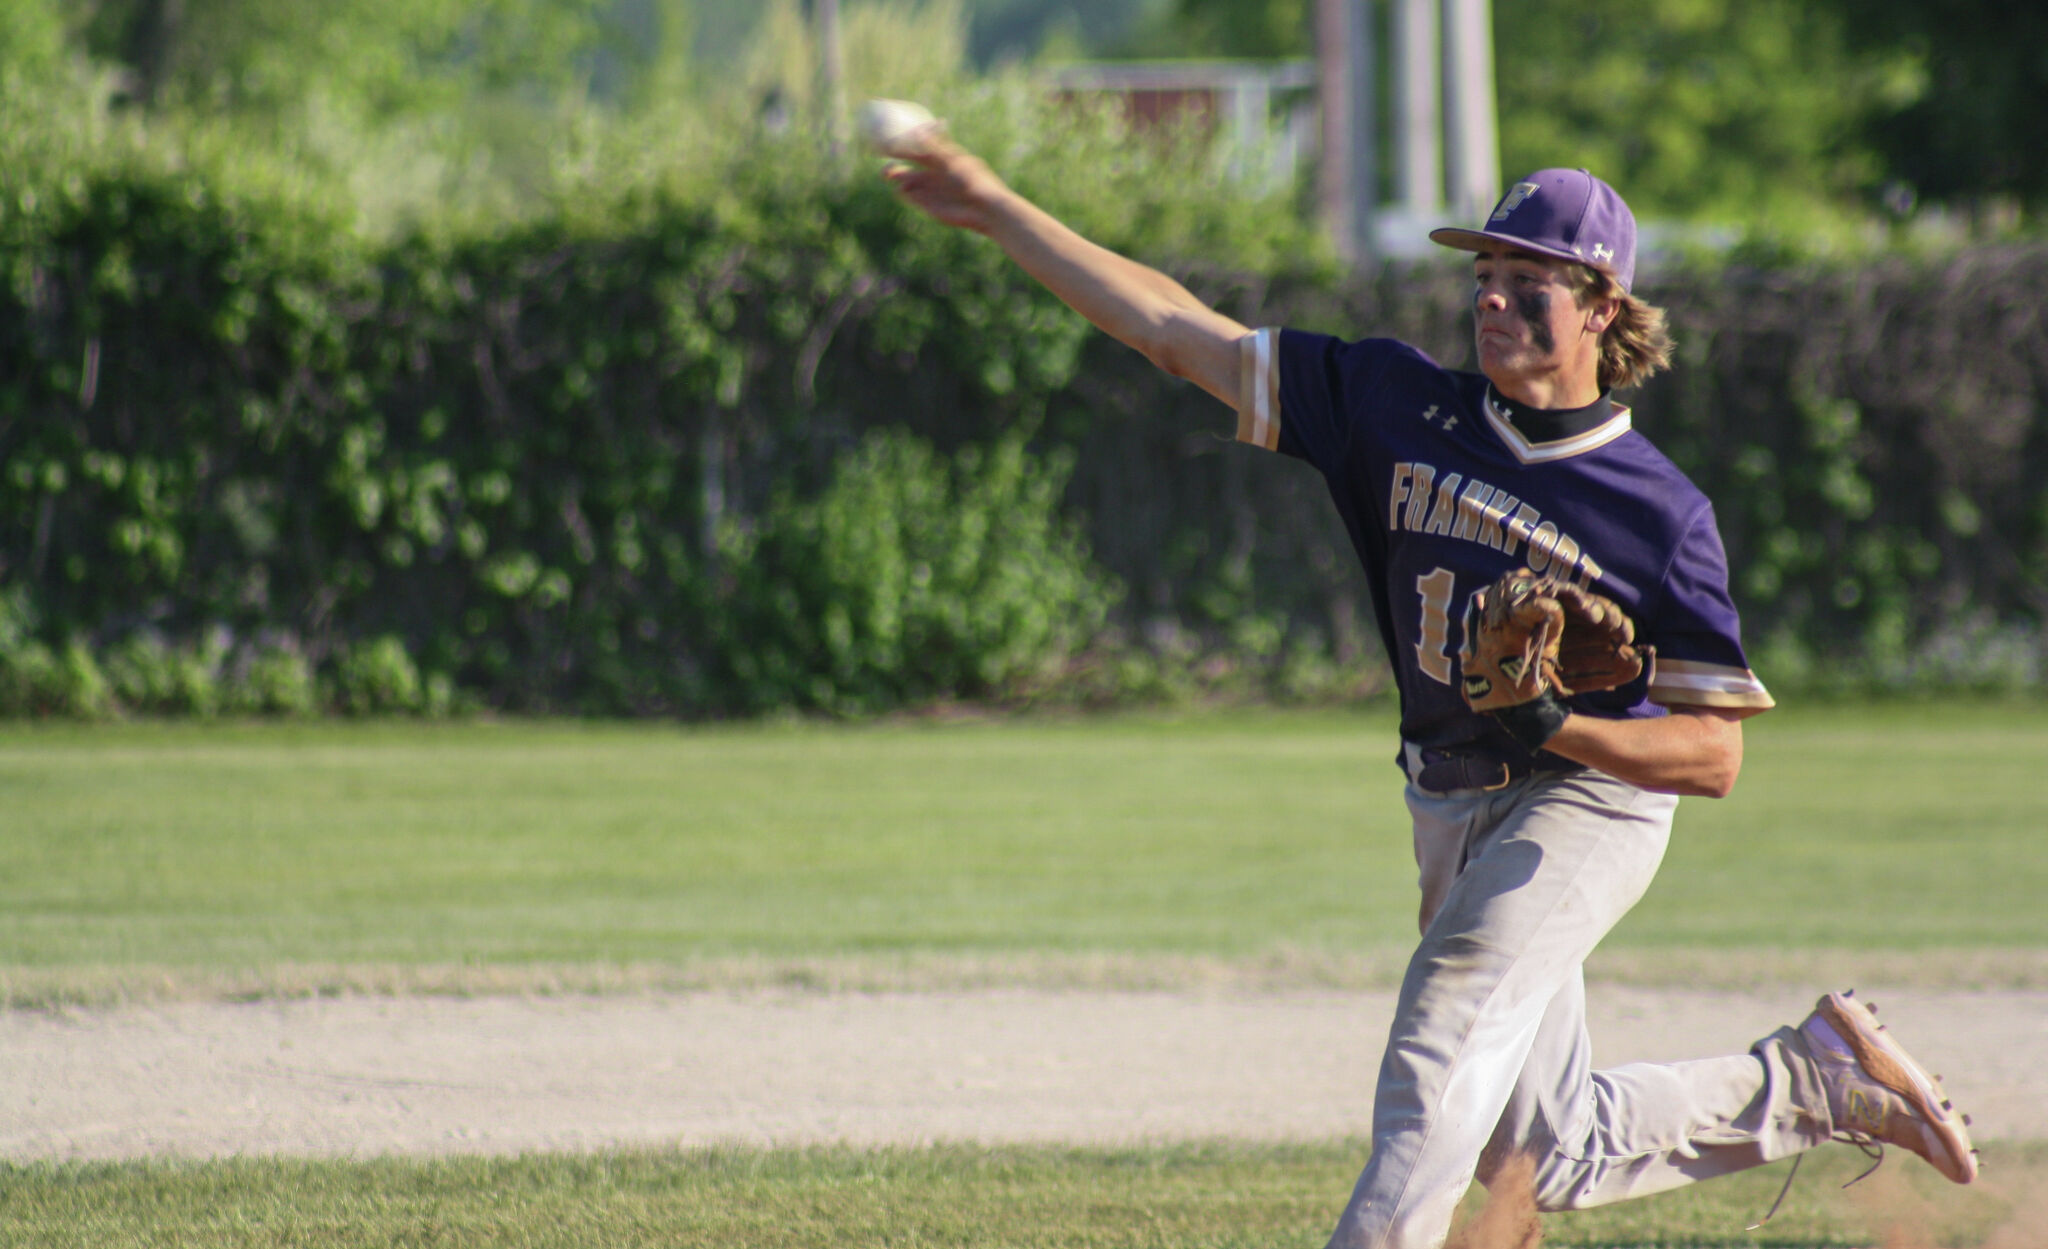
[(363, 1076)]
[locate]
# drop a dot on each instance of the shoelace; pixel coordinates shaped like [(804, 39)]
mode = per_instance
[(1871, 1148)]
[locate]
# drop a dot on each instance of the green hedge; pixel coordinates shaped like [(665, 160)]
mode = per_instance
[(787, 446), (589, 463)]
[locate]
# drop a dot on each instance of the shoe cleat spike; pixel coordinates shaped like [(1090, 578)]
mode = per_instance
[(1969, 1122)]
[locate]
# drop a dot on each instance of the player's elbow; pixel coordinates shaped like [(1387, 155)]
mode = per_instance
[(1195, 345), (1716, 769), (1712, 757), (1169, 342), (1712, 784), (1168, 356)]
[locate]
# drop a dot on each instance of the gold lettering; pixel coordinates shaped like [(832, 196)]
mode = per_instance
[(1497, 511), (1566, 555), (1541, 543), (1519, 526), (1404, 479), (1446, 508), (1471, 510), (1418, 498)]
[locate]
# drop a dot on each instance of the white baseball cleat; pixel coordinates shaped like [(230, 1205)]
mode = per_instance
[(1877, 1094)]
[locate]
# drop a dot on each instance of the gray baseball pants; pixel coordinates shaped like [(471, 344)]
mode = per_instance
[(1489, 1056)]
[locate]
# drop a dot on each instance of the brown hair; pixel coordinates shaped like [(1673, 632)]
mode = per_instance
[(1637, 344)]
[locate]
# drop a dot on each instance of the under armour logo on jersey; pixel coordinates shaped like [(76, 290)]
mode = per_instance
[(1513, 199), (1450, 420), (1602, 252)]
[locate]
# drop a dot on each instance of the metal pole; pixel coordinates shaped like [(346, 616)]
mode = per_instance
[(1365, 165), (1473, 144), (1335, 80), (1418, 164)]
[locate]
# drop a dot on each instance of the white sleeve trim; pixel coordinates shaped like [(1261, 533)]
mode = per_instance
[(1258, 389), (1707, 685)]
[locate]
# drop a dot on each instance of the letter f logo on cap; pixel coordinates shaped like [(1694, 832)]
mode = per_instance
[(1513, 199), (1565, 213)]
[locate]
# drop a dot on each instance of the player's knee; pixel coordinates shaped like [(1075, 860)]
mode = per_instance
[(1530, 1177)]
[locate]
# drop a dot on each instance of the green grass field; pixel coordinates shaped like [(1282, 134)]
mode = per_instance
[(1213, 1196), (520, 849), (149, 859)]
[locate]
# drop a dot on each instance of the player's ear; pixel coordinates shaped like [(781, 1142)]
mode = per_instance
[(1601, 313), (1598, 296)]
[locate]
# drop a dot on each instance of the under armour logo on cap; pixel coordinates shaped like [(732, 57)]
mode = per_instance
[(1558, 212)]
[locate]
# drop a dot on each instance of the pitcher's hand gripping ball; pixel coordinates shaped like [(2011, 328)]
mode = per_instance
[(1532, 640), (897, 128)]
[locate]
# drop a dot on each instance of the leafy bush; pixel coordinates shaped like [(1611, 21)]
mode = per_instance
[(270, 678), (911, 577), (150, 676), (377, 677), (39, 679)]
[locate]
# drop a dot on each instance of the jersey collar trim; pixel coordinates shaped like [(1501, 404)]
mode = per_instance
[(1563, 448)]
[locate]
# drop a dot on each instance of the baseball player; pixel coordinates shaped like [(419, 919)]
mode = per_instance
[(1526, 548)]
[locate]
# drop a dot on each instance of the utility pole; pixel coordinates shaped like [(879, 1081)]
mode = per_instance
[(1365, 130), (1333, 99), (1473, 147), (1418, 164), (1348, 173)]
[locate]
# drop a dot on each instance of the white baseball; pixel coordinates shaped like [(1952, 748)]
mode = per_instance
[(891, 126)]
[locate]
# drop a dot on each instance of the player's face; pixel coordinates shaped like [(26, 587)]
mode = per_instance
[(1530, 327)]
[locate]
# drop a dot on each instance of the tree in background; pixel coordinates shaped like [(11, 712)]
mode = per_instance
[(1754, 112), (32, 40), (391, 110), (1972, 128), (1002, 31), (387, 56), (1254, 29)]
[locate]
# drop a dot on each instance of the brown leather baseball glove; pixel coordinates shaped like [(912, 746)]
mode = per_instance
[(1526, 636)]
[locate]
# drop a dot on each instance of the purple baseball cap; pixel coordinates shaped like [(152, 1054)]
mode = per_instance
[(1567, 213)]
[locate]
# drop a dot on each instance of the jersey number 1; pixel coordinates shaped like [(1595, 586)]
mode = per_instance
[(1433, 641)]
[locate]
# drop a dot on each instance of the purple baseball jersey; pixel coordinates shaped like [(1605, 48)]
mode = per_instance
[(1442, 494)]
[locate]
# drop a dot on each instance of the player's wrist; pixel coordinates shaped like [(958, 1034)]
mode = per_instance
[(1533, 723)]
